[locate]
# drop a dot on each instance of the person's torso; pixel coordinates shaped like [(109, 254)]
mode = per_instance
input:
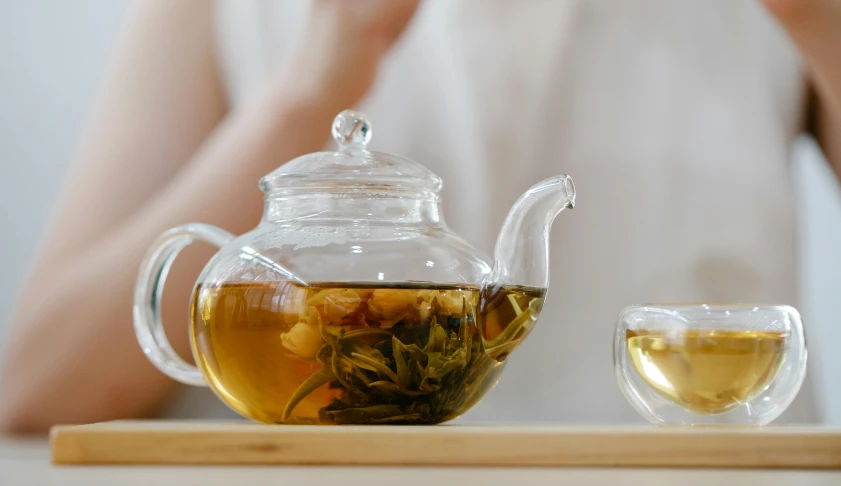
[(674, 118)]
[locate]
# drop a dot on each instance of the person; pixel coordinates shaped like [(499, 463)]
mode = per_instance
[(675, 118)]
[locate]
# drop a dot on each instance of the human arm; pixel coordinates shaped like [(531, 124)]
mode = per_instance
[(161, 152), (815, 27)]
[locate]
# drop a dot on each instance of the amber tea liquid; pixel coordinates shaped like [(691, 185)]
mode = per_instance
[(707, 371), (356, 353)]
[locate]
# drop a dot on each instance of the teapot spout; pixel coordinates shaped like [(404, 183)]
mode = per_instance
[(521, 256)]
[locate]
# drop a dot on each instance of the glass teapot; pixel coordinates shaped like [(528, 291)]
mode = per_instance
[(352, 302)]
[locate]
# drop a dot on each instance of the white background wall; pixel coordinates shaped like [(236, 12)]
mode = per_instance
[(52, 57)]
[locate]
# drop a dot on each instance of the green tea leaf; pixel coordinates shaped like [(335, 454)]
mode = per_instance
[(364, 365), (378, 366), (512, 297), (326, 335), (403, 375), (366, 332), (511, 330), (502, 349), (308, 386), (415, 352), (407, 418), (455, 362), (437, 338), (325, 352), (396, 389), (361, 415), (361, 376), (341, 370)]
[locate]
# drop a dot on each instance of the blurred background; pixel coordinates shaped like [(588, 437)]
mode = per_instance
[(53, 55)]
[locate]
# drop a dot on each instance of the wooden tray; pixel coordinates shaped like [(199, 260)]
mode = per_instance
[(166, 442)]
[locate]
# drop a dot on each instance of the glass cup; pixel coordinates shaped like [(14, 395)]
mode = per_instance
[(710, 364)]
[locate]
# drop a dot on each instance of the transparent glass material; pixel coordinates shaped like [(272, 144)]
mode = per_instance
[(710, 364), (352, 301)]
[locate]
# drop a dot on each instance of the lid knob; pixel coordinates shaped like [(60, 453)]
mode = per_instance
[(351, 130)]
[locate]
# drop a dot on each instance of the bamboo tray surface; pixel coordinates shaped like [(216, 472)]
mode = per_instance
[(196, 442)]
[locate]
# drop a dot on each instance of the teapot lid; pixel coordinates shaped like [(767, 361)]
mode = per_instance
[(353, 166)]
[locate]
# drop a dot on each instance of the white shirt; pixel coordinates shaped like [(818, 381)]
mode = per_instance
[(675, 119)]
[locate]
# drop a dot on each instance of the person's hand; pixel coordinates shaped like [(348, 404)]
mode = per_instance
[(344, 42), (815, 27)]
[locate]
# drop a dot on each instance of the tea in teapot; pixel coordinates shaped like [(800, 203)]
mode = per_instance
[(357, 353), (352, 302)]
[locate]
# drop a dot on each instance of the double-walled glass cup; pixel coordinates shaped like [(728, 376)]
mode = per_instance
[(710, 364)]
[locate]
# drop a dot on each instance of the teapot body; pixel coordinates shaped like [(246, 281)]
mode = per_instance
[(300, 322)]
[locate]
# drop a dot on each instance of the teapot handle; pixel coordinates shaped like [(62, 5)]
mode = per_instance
[(148, 292)]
